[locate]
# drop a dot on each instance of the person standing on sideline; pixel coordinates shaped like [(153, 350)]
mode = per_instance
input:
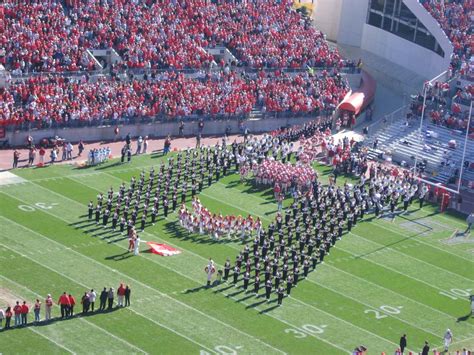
[(31, 156), (120, 295), (47, 308), (85, 301), (448, 338), (145, 145), (139, 145), (2, 317), (36, 310), (64, 304), (103, 299), (426, 349), (8, 317), (53, 155), (69, 149), (42, 153), (198, 140), (403, 343), (80, 148), (24, 313), (127, 296), (16, 158), (92, 298), (110, 298), (470, 222), (17, 313), (72, 303)]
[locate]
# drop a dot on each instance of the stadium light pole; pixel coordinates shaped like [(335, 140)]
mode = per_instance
[(421, 120), (465, 147)]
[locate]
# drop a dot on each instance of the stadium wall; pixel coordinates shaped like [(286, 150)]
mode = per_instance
[(155, 130), (345, 22), (326, 17)]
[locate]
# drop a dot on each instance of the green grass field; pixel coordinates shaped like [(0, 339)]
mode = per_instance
[(380, 281)]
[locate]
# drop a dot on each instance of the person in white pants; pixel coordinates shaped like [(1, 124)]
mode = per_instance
[(47, 308), (448, 338), (136, 250)]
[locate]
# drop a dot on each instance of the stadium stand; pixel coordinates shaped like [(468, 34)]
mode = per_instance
[(45, 101), (153, 41), (454, 16), (438, 145), (47, 37)]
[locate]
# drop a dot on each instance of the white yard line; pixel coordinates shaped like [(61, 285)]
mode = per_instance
[(371, 307), (186, 276), (390, 268), (236, 247), (88, 287), (394, 250), (418, 239), (51, 340), (92, 173), (81, 319), (345, 350), (144, 285), (204, 259), (240, 208), (394, 292), (412, 257)]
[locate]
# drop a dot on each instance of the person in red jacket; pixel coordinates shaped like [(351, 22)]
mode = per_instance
[(121, 295), (42, 152), (72, 303), (64, 304), (24, 313)]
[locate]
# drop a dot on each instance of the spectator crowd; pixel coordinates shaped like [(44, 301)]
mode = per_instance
[(45, 100), (50, 37), (454, 17)]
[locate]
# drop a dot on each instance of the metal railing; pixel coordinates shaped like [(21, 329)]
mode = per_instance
[(389, 119)]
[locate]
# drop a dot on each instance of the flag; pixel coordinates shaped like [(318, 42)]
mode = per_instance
[(163, 249)]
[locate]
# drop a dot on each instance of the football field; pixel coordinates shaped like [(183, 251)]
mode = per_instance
[(387, 277)]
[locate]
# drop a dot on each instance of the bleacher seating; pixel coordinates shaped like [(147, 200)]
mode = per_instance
[(403, 142), (60, 37), (45, 100), (54, 35), (454, 17)]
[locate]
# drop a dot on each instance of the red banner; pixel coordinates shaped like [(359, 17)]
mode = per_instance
[(163, 249)]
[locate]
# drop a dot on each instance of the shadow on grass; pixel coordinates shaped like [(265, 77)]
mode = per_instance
[(256, 304), (120, 257), (45, 323), (263, 311), (465, 318)]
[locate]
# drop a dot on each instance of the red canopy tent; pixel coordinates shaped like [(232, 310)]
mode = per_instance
[(362, 97)]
